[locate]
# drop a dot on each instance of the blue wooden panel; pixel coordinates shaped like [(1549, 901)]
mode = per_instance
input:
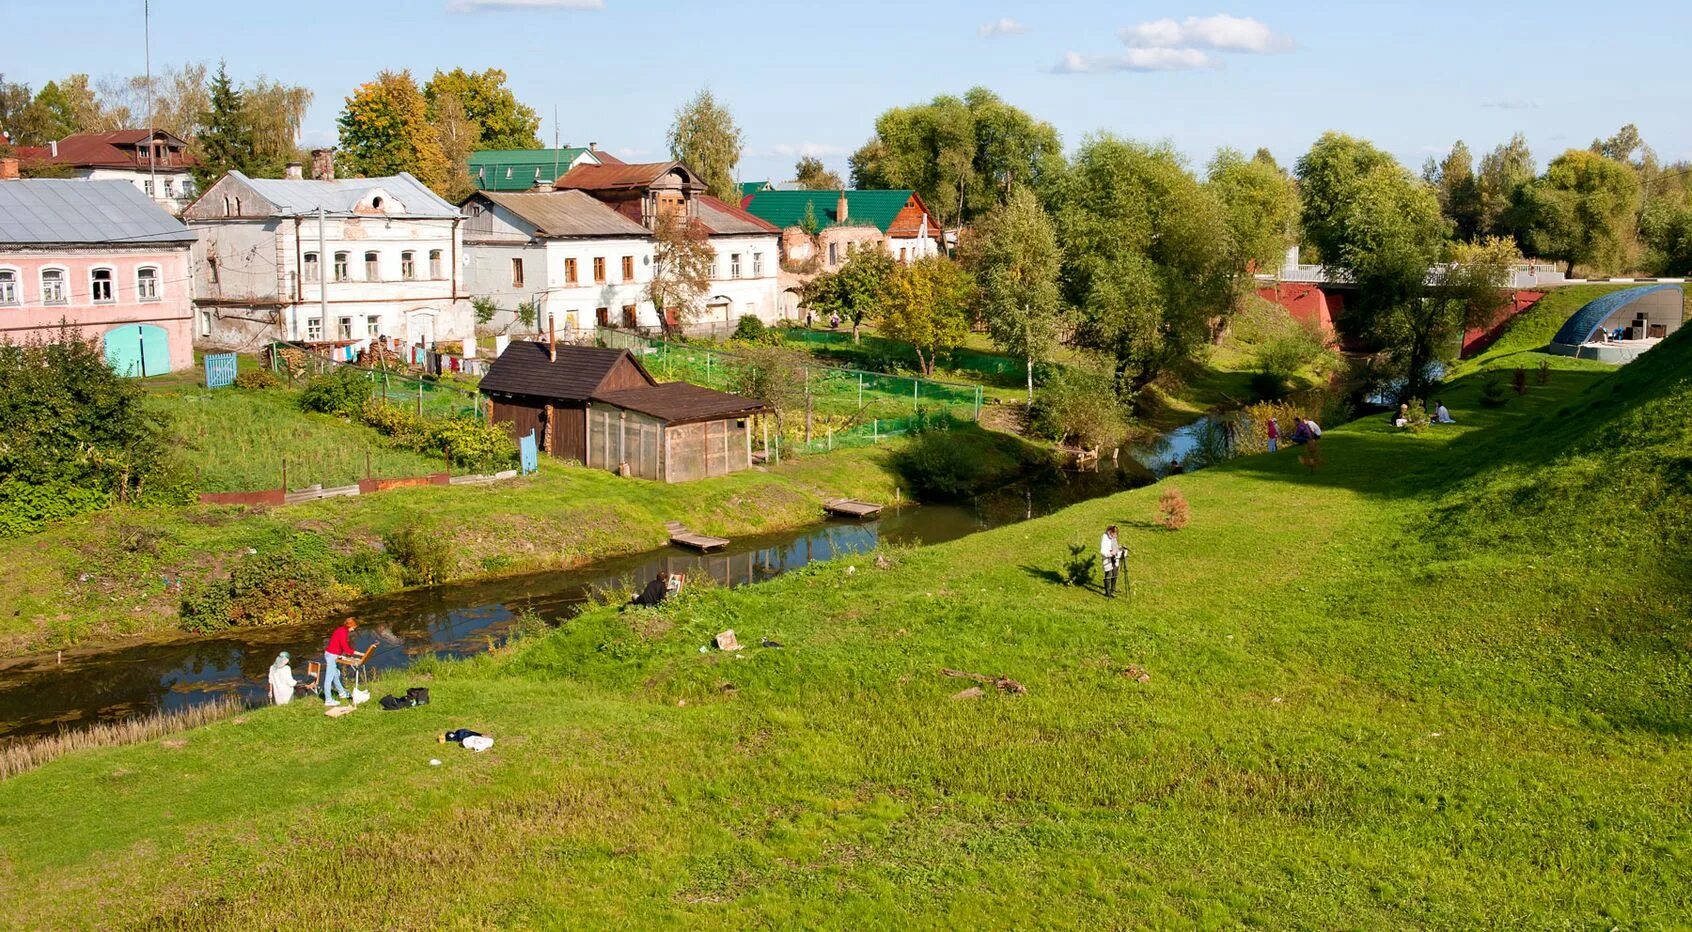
[(528, 453), (137, 350), (220, 369)]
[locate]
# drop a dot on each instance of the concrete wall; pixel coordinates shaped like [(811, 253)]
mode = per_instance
[(27, 316)]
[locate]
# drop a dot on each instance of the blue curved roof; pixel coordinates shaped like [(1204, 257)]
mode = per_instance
[(1582, 324)]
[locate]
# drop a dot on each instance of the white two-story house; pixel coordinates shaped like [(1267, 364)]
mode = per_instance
[(327, 261)]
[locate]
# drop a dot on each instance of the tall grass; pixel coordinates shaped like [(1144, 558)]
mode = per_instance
[(30, 754)]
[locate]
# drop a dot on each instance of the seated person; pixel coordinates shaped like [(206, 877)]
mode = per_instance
[(282, 680), (656, 590), (1441, 414), (1403, 419), (1301, 430)]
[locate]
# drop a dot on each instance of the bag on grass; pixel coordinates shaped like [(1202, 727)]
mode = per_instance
[(393, 703), (417, 695)]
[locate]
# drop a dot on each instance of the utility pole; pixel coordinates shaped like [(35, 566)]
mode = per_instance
[(324, 267), (152, 131)]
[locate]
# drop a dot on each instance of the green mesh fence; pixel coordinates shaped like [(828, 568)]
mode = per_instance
[(877, 353), (439, 399)]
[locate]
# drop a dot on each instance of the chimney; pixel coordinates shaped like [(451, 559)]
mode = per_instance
[(53, 148), (323, 164), (296, 172), (8, 169), (840, 208), (593, 147), (551, 339)]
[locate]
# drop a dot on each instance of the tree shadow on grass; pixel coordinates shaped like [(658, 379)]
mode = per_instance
[(1056, 578)]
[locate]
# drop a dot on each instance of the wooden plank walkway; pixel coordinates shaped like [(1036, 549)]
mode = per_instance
[(686, 538), (851, 508)]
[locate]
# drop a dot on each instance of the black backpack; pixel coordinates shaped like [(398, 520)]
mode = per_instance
[(415, 696), (418, 695), (393, 703)]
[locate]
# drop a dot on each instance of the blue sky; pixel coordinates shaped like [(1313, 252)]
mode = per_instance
[(812, 77)]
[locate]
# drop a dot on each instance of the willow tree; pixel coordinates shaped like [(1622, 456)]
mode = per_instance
[(1016, 260)]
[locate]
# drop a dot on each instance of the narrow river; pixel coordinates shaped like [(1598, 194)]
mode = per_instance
[(42, 693)]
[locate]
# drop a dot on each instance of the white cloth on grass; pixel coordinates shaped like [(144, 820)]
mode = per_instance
[(478, 742)]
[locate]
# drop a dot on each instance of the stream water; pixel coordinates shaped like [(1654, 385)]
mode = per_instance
[(42, 693)]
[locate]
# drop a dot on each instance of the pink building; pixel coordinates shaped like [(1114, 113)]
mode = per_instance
[(101, 257)]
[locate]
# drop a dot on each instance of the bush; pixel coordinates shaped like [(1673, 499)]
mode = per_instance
[(1417, 420), (370, 571), (424, 555), (1268, 386), (343, 392), (1172, 510), (405, 427), (1078, 406), (749, 329), (1542, 376), (205, 608), (485, 309), (1078, 569), (1519, 381), (257, 379), (474, 444), (263, 589), (1492, 390), (937, 468), (26, 508)]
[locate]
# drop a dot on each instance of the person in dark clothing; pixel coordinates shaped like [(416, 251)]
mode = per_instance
[(655, 590)]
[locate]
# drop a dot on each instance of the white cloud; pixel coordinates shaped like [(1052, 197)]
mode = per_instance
[(1220, 32), (1004, 26), (790, 150), (1136, 60), (477, 6), (1510, 105)]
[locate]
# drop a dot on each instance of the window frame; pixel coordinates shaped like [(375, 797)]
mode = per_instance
[(372, 325), (312, 265), (314, 330), (628, 268), (599, 270), (408, 265), (16, 282), (94, 285), (437, 270), (372, 266), (343, 266), (63, 281), (571, 271), (344, 327), (516, 271), (757, 265), (734, 265), (140, 292)]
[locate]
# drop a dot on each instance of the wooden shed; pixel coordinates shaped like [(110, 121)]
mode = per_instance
[(672, 432), (545, 388), (602, 408)]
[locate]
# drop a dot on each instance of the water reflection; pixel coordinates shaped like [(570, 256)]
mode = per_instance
[(39, 694)]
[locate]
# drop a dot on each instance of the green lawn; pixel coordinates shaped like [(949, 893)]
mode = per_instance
[(1439, 682)]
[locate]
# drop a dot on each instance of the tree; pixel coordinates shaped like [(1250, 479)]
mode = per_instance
[(1328, 175), (501, 120), (682, 259), (273, 113), (962, 155), (457, 135), (63, 109), (20, 119), (226, 143), (1454, 182), (705, 139), (1016, 260), (1146, 251), (385, 130), (1583, 211), (1467, 291), (1260, 205), (1505, 174), (812, 175), (926, 304), (855, 292), (1667, 231)]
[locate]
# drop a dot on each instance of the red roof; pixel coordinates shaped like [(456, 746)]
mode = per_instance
[(118, 149), (737, 220), (618, 176)]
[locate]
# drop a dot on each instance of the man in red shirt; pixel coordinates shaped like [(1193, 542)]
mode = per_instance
[(340, 645)]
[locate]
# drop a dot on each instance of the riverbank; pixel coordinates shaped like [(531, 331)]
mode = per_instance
[(122, 573), (1398, 690)]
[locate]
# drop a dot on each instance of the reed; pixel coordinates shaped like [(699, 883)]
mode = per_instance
[(29, 754)]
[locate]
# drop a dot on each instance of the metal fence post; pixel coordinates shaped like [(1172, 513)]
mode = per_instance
[(875, 431), (916, 385), (860, 391), (978, 403)]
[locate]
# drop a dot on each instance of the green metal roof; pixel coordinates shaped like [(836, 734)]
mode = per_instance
[(787, 208), (749, 188), (515, 169)]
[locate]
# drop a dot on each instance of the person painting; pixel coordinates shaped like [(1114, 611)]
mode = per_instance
[(339, 646), (1273, 430), (656, 590), (1442, 414), (1110, 556), (281, 680)]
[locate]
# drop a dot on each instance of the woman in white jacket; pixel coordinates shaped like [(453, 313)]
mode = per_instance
[(281, 680)]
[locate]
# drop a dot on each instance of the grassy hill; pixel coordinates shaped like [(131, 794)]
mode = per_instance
[(1439, 681)]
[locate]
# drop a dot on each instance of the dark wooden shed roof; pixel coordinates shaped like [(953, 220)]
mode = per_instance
[(525, 369), (682, 402)]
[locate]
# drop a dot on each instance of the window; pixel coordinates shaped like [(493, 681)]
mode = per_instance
[(147, 186), (314, 329), (833, 253), (372, 267), (147, 284), (52, 286), (211, 269), (628, 268), (373, 326), (9, 287), (408, 265), (346, 328), (757, 265), (734, 265), (569, 271), (100, 286), (205, 323), (169, 188), (311, 270), (517, 272), (599, 270), (340, 266), (435, 264)]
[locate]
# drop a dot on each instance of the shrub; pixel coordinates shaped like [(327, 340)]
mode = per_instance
[(485, 309), (405, 427), (369, 571), (1492, 390), (1417, 420), (1078, 569), (750, 329), (936, 468), (263, 589), (424, 555), (473, 443), (1267, 386), (1251, 426), (26, 508), (206, 608), (1519, 381), (1543, 375), (343, 392), (257, 379), (1172, 510), (1078, 406)]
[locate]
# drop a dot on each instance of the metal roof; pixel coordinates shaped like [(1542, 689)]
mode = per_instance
[(787, 208), (342, 196), (682, 402), (526, 369), (519, 169), (727, 219), (1582, 324), (567, 213), (64, 210)]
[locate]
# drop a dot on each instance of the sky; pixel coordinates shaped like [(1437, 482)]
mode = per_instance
[(810, 78)]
